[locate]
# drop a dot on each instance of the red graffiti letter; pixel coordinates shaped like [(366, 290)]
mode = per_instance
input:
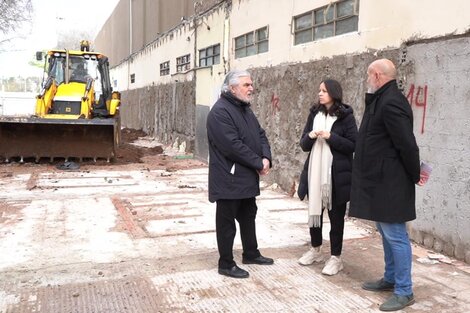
[(422, 102), (275, 103), (410, 94)]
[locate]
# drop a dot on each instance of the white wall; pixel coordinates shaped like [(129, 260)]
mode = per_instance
[(213, 29), (146, 63), (120, 77), (382, 24), (438, 91), (17, 103)]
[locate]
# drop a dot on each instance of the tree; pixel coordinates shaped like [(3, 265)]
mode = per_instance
[(13, 13)]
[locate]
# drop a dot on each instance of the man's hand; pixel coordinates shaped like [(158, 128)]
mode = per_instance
[(423, 178), (265, 170)]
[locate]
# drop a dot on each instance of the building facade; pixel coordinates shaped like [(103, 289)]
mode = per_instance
[(171, 81)]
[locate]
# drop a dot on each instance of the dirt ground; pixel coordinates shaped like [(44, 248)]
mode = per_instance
[(138, 235), (128, 155)]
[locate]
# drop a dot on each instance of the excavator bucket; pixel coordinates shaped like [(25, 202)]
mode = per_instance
[(37, 138)]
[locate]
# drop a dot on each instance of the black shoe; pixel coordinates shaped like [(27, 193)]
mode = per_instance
[(379, 285), (396, 303), (234, 272), (261, 260)]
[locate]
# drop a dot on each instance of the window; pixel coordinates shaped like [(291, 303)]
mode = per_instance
[(209, 56), (165, 68), (335, 19), (183, 63), (252, 43), (132, 78)]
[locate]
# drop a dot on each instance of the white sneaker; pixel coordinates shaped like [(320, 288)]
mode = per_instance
[(333, 266), (311, 256)]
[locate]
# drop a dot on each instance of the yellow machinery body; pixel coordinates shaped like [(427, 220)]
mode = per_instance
[(76, 112)]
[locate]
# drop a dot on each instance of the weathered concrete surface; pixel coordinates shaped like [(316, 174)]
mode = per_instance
[(436, 75), (284, 95), (431, 74), (167, 112), (201, 6), (139, 238)]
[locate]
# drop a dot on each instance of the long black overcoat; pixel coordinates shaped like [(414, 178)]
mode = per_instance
[(237, 146), (386, 162), (342, 142)]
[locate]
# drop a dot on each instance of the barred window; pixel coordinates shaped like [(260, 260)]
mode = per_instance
[(332, 20), (165, 68), (209, 56), (183, 63), (252, 43)]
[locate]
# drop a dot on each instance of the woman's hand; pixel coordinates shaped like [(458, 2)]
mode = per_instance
[(323, 134), (312, 134)]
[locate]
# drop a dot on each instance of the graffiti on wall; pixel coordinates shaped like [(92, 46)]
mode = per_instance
[(418, 96), (275, 103)]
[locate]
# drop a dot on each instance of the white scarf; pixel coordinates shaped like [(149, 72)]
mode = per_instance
[(319, 171)]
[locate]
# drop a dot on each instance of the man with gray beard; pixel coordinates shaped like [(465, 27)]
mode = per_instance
[(239, 153), (385, 170)]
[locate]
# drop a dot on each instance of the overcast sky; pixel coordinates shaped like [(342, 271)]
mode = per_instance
[(49, 18)]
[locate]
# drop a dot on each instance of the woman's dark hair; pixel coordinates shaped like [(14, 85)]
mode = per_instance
[(336, 93)]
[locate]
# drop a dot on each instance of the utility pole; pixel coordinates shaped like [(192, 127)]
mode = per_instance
[(130, 27), (130, 44)]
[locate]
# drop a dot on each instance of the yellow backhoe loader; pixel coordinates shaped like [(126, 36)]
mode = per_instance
[(76, 113)]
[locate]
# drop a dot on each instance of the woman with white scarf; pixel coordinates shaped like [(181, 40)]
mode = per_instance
[(329, 136)]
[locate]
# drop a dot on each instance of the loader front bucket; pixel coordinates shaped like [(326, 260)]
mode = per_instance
[(58, 138)]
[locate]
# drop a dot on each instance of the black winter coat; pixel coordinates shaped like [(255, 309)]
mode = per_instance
[(342, 142), (237, 146), (386, 162)]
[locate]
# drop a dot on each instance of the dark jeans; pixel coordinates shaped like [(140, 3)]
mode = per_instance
[(336, 215), (244, 211)]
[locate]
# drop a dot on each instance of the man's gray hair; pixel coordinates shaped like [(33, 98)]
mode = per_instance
[(233, 78)]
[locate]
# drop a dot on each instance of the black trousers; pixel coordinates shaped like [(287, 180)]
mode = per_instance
[(244, 211), (336, 215)]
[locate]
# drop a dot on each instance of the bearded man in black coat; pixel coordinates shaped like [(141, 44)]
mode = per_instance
[(385, 170), (239, 152)]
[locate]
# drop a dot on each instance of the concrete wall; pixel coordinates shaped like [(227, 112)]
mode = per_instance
[(284, 95), (436, 75), (431, 75), (161, 15), (166, 112), (113, 38), (201, 6), (145, 64), (150, 18), (163, 106), (212, 29)]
